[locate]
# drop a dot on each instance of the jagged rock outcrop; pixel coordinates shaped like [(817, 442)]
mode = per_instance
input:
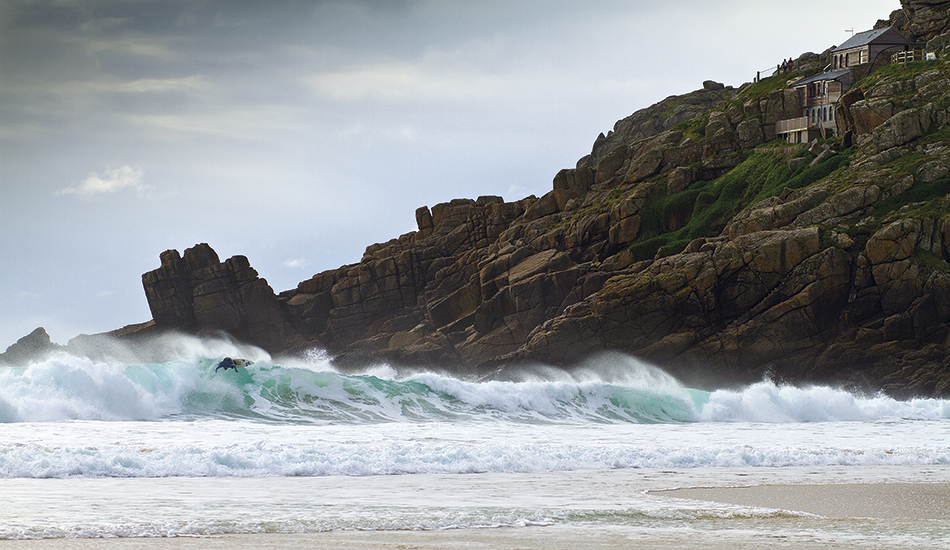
[(33, 347), (197, 292), (755, 300), (657, 119)]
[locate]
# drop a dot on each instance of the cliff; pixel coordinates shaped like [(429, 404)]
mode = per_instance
[(689, 236)]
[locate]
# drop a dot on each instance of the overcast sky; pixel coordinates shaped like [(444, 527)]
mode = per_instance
[(297, 133)]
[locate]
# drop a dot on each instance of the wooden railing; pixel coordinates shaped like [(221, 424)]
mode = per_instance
[(907, 56)]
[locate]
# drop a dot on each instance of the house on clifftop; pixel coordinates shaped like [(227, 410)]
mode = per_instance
[(865, 47), (818, 95), (851, 61)]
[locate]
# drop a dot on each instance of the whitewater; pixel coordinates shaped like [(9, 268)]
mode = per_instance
[(129, 448)]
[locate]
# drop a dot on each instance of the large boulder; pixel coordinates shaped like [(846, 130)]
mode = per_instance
[(572, 184), (750, 133), (899, 129)]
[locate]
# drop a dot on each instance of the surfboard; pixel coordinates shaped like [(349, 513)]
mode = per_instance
[(238, 363)]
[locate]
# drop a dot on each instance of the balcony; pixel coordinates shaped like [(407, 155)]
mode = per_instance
[(791, 125)]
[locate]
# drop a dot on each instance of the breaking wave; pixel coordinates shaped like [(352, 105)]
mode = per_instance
[(617, 389), (75, 417)]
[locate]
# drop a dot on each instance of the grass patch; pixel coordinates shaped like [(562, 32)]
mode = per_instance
[(694, 129), (803, 177), (920, 192), (765, 86), (705, 208), (935, 135), (898, 71), (929, 259)]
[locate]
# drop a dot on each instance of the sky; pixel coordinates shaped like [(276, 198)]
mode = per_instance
[(297, 133)]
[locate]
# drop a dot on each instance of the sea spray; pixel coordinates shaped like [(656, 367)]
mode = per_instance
[(610, 389), (768, 402)]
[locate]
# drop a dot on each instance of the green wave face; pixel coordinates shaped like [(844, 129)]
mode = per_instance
[(270, 392)]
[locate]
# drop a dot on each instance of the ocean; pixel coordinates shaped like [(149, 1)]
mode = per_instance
[(125, 448)]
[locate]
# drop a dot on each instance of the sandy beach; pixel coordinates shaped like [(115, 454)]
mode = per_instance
[(898, 504), (884, 501)]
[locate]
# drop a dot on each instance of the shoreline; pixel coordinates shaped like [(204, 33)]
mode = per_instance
[(524, 538), (903, 504)]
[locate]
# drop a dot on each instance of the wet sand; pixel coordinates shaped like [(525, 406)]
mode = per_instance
[(887, 501), (525, 538), (903, 503)]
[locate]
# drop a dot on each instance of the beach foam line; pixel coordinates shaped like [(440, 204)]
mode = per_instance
[(889, 501)]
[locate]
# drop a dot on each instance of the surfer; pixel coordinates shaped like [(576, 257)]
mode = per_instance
[(228, 363)]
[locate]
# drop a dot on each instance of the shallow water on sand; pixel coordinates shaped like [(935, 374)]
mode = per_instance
[(616, 502)]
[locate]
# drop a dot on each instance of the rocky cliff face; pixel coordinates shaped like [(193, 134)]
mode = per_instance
[(923, 20), (688, 237)]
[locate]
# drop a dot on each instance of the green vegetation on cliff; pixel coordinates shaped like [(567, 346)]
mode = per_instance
[(704, 209)]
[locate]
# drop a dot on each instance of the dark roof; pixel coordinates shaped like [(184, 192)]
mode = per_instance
[(876, 36), (827, 75)]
